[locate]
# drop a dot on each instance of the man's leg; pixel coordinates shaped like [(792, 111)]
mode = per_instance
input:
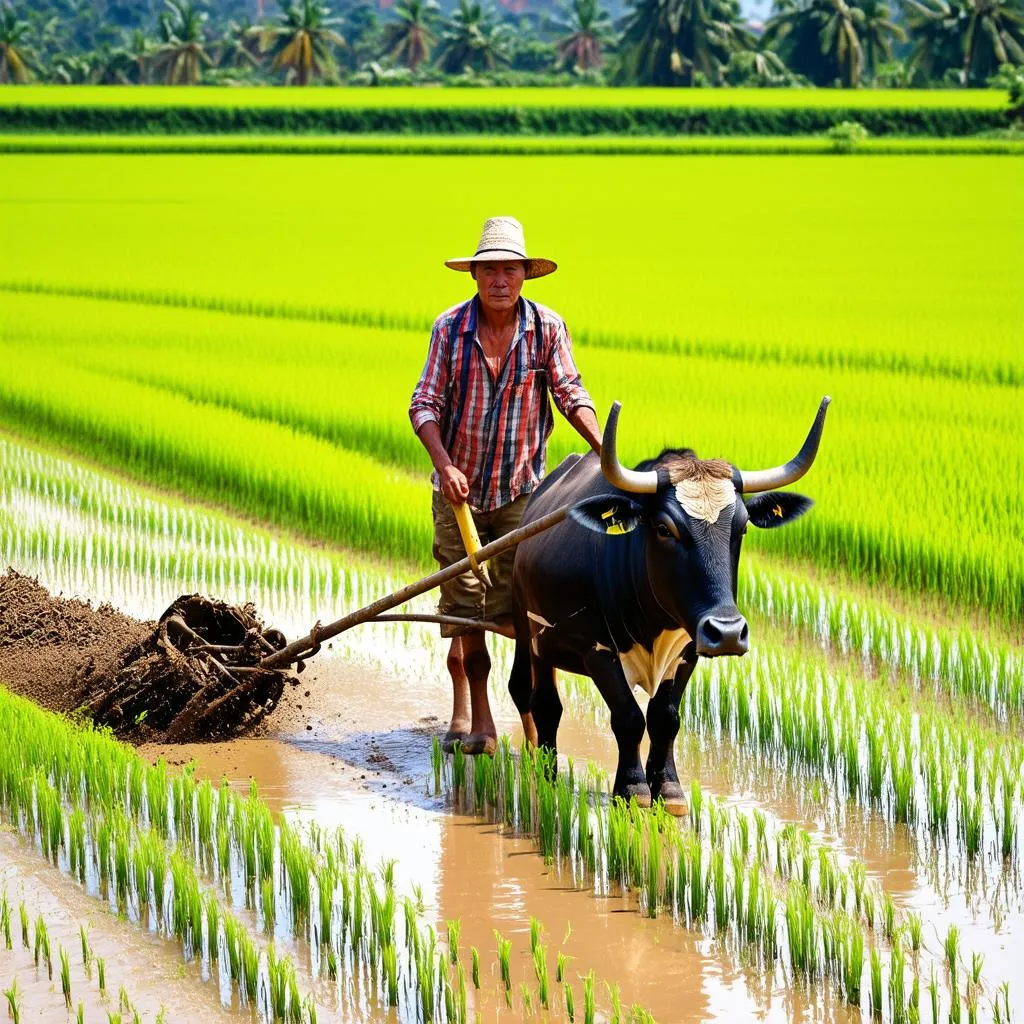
[(483, 737), (460, 726)]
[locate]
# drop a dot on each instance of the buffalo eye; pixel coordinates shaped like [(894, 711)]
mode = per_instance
[(663, 531)]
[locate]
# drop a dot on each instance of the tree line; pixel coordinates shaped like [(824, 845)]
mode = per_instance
[(846, 43)]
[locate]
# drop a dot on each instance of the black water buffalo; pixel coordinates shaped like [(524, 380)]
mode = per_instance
[(637, 584)]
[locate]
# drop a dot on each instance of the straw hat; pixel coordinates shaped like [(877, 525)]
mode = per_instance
[(502, 240)]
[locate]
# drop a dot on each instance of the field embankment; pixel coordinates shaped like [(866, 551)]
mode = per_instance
[(583, 112)]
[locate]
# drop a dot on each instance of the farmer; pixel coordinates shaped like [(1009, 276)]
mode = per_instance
[(481, 411)]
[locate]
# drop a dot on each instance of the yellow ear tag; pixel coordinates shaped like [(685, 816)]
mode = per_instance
[(616, 528), (608, 514), (777, 511)]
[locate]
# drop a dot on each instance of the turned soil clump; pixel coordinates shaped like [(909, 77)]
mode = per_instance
[(164, 680)]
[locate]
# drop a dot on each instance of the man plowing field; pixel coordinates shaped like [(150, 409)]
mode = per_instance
[(481, 411)]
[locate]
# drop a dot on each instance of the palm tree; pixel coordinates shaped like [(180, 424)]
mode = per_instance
[(827, 39), (877, 33), (142, 49), (670, 42), (16, 56), (182, 54), (975, 36), (588, 29), (472, 40), (301, 43), (410, 38), (239, 46)]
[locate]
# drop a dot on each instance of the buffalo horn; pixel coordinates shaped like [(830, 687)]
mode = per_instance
[(615, 473), (767, 479)]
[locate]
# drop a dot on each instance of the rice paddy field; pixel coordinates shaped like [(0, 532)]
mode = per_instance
[(207, 361)]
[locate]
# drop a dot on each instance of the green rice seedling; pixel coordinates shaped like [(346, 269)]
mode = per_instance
[(972, 815), (437, 763), (535, 929), (760, 826), (897, 997), (101, 974), (888, 917), (914, 930), (475, 956), (23, 915), (5, 921), (977, 962), (458, 770), (124, 1002), (584, 837), (448, 994), (65, 976), (83, 935), (951, 945), (914, 1003), (696, 805), (80, 1014), (876, 983), (454, 929), (652, 868), (309, 1005), (869, 908), (721, 898), (42, 946), (933, 994), (505, 963), (588, 998), (615, 998), (560, 964), (13, 997), (461, 1015), (548, 817), (540, 967), (570, 1003), (698, 892), (853, 965), (527, 999), (113, 1017)]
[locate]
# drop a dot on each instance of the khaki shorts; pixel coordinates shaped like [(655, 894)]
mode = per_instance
[(465, 596)]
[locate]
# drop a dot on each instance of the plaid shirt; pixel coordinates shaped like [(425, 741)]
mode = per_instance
[(496, 431)]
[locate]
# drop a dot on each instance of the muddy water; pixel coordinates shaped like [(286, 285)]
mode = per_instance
[(149, 968)]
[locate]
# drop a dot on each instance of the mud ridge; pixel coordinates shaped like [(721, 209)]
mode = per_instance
[(147, 681)]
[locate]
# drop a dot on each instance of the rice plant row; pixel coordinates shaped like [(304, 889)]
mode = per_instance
[(799, 911), (515, 145), (930, 769), (147, 840)]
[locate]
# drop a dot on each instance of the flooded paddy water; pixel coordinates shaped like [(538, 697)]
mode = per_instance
[(350, 746)]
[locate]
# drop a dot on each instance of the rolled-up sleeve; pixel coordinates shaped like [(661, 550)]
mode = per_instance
[(566, 384), (430, 394)]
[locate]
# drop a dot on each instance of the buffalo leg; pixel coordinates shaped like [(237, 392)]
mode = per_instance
[(546, 706), (520, 680), (627, 724), (663, 727)]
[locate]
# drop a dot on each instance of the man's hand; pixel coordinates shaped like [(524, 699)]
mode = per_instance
[(585, 424), (454, 485)]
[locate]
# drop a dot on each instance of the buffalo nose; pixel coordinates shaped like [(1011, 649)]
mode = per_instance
[(722, 636)]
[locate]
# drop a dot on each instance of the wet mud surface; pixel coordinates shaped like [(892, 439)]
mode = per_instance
[(145, 680)]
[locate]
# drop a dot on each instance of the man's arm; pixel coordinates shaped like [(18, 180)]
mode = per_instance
[(567, 389), (584, 421), (426, 409), (454, 485)]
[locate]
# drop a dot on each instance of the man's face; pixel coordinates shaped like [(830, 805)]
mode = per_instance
[(499, 284)]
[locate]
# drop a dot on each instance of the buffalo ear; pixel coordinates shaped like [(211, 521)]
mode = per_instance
[(776, 508), (608, 514)]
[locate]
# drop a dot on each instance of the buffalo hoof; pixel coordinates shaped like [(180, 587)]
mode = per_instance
[(670, 793), (675, 805), (638, 791), (450, 738), (480, 744)]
